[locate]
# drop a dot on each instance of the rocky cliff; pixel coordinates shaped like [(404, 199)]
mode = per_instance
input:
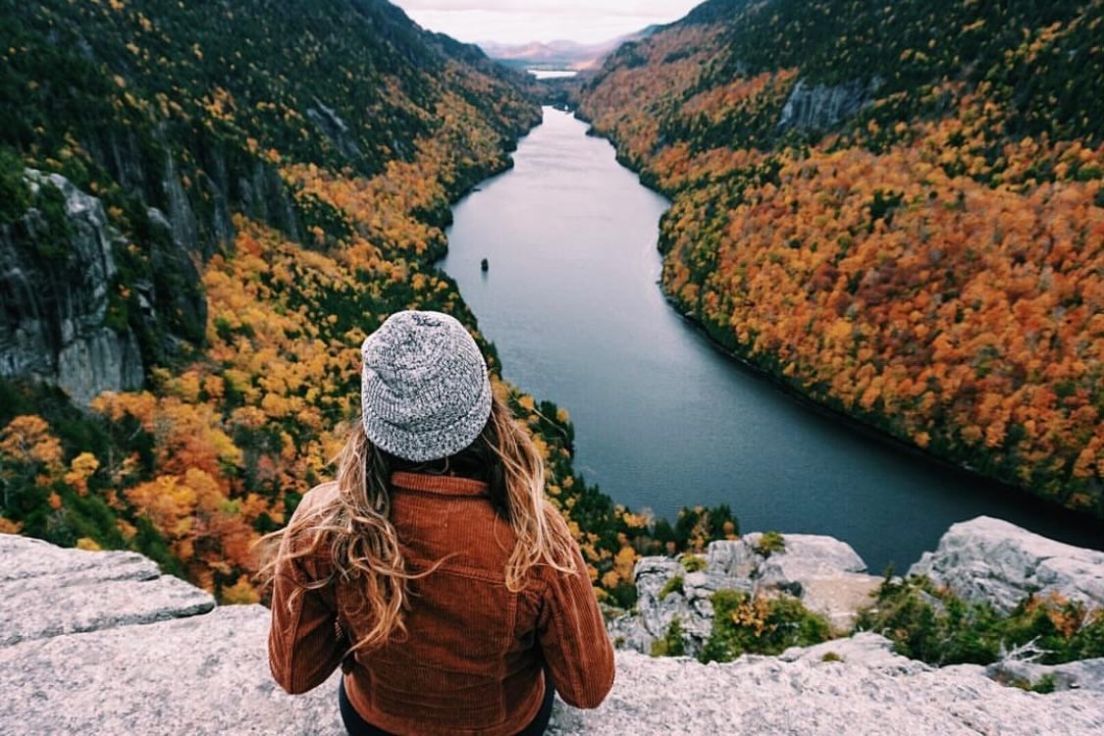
[(825, 574), (56, 278), (1003, 570), (813, 107), (100, 643), (991, 560)]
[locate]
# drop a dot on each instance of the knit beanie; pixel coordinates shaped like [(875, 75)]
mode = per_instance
[(425, 390)]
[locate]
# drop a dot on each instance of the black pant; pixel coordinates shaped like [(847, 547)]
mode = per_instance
[(357, 726)]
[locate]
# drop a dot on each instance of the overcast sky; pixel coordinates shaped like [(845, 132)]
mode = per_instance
[(520, 21)]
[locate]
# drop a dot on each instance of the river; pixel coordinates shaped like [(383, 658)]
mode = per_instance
[(662, 418)]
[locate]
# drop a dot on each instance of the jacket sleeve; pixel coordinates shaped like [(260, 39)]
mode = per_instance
[(303, 645), (573, 637)]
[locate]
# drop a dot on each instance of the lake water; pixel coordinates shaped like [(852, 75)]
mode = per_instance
[(552, 73), (662, 418)]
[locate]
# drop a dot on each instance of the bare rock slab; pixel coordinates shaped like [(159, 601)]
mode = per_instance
[(203, 675), (863, 689), (1085, 674), (208, 674), (48, 591), (25, 557), (987, 559)]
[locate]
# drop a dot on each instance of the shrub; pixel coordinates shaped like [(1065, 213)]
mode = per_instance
[(693, 563), (624, 595), (673, 585), (743, 624), (672, 644), (938, 627), (15, 196), (771, 542), (1046, 684)]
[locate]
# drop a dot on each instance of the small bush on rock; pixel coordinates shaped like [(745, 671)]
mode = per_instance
[(1045, 685), (771, 542), (674, 585), (623, 595), (938, 627), (693, 563), (672, 643), (760, 625)]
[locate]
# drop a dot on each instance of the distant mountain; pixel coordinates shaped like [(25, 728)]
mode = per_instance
[(558, 54)]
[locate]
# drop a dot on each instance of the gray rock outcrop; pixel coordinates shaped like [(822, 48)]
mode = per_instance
[(174, 664), (987, 559), (202, 675), (824, 573), (47, 591), (1086, 674), (56, 300), (847, 686), (820, 107), (334, 128)]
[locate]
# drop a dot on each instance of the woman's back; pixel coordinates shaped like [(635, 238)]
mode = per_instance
[(445, 598), (470, 658)]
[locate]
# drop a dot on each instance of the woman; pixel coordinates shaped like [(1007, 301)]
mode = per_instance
[(432, 570)]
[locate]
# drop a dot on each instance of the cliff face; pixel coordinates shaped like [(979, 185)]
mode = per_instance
[(100, 643), (819, 107), (55, 291), (991, 560)]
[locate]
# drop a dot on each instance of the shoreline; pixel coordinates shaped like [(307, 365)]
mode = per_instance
[(988, 484)]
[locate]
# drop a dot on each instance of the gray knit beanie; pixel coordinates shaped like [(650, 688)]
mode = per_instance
[(425, 392)]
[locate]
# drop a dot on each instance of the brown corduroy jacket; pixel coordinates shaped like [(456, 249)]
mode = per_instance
[(472, 658)]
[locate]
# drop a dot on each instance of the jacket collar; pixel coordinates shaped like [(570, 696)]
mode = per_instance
[(449, 485)]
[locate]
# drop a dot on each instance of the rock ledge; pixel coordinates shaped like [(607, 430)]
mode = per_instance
[(101, 643)]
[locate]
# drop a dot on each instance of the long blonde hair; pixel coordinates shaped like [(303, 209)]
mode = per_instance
[(353, 532)]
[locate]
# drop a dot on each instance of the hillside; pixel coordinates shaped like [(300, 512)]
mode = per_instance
[(204, 208), (895, 209)]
